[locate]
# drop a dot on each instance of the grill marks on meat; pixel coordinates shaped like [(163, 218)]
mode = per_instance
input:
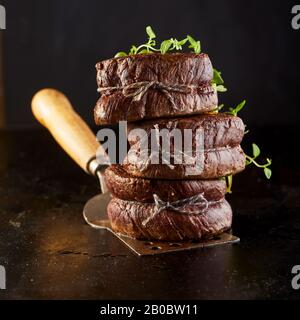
[(128, 218), (169, 69)]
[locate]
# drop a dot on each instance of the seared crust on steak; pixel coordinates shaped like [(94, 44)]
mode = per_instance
[(221, 154), (126, 187), (128, 218), (188, 69), (219, 129), (216, 164)]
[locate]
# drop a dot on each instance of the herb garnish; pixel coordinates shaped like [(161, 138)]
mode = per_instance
[(172, 44), (256, 153), (218, 81), (166, 46), (237, 109), (250, 160), (255, 149)]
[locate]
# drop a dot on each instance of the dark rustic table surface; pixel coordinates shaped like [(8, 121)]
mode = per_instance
[(49, 252)]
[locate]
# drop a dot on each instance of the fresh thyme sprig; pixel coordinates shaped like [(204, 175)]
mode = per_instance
[(255, 154), (237, 109), (217, 109), (218, 82), (231, 111), (255, 149), (251, 160), (169, 45), (143, 48), (166, 46)]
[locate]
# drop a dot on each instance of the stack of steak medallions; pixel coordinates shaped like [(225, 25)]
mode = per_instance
[(169, 201)]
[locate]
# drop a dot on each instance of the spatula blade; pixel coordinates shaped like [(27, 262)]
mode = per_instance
[(95, 214)]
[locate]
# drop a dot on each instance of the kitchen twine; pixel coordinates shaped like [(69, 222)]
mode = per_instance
[(146, 158), (138, 89), (142, 159), (188, 206)]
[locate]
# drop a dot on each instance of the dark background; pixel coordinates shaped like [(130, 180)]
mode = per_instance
[(57, 43)]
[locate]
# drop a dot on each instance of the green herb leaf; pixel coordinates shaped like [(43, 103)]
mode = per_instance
[(177, 45), (217, 79), (133, 50), (268, 173), (165, 46), (121, 54), (220, 107), (144, 51), (240, 106), (150, 33), (237, 109), (255, 150), (183, 41), (197, 47), (221, 88), (192, 41), (251, 160)]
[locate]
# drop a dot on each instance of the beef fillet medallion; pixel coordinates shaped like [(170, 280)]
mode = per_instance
[(150, 86), (126, 187), (221, 154), (216, 164), (143, 221)]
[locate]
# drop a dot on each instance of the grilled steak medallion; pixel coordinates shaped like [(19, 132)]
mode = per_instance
[(218, 129), (126, 187), (150, 86), (220, 155), (216, 164), (132, 219)]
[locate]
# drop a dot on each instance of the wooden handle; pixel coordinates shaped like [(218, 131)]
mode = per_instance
[(54, 111)]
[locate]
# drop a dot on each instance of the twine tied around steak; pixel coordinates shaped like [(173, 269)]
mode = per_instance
[(195, 205), (138, 89)]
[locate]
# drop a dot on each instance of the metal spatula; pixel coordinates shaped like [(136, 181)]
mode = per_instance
[(54, 111)]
